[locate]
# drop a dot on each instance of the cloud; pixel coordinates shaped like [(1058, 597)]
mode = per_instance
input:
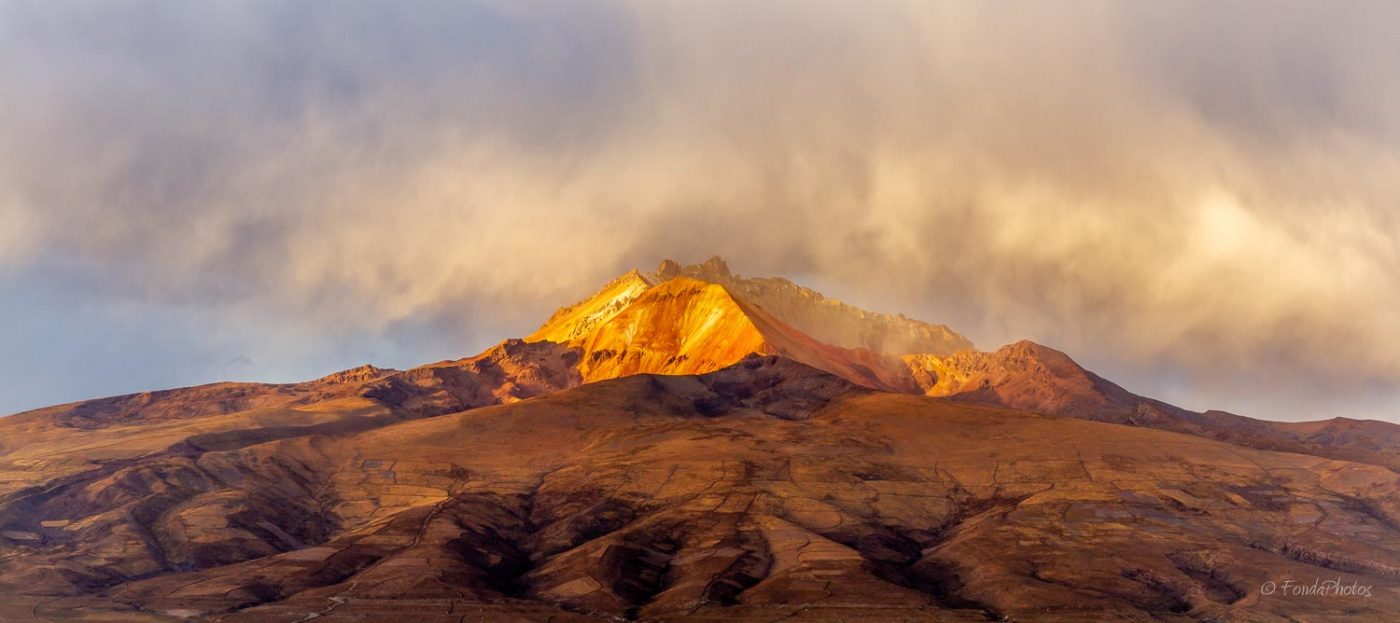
[(1190, 192), (18, 236)]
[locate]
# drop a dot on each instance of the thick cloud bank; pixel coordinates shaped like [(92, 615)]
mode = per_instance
[(1200, 200)]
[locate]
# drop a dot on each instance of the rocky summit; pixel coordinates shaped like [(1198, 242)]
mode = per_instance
[(694, 445)]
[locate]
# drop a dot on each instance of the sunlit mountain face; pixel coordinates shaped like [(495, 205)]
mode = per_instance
[(692, 444)]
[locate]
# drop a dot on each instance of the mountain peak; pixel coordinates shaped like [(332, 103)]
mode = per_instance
[(574, 321), (668, 268), (358, 374), (712, 269), (828, 320), (716, 266), (690, 326), (680, 326)]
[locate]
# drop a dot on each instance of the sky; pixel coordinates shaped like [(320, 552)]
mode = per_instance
[(1199, 200)]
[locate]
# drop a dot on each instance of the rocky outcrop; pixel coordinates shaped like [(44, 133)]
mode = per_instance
[(508, 372)]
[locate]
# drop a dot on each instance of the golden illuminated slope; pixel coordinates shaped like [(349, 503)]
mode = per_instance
[(701, 318), (578, 319), (686, 326), (682, 326), (825, 319)]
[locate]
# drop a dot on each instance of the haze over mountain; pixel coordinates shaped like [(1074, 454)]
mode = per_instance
[(680, 446)]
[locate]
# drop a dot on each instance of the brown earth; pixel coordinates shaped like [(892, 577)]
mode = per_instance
[(762, 491)]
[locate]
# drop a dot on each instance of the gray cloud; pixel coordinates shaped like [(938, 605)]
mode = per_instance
[(1199, 200)]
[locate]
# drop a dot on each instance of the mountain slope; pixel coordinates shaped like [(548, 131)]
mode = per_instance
[(40, 446), (681, 326), (765, 490), (678, 326), (699, 318), (1031, 377), (1023, 375), (827, 320), (575, 321), (686, 326)]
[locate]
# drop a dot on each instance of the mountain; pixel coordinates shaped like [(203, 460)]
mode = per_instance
[(683, 446), (1031, 377), (826, 320), (575, 321), (687, 326), (671, 323)]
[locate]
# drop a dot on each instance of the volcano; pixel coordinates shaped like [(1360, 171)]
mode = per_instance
[(693, 445)]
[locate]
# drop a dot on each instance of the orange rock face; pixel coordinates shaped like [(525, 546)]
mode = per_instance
[(688, 326), (575, 321), (681, 326)]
